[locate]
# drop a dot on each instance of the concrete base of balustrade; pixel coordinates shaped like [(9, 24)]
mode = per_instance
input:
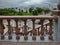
[(29, 39), (11, 43)]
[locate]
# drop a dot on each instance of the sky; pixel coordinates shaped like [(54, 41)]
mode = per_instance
[(27, 3)]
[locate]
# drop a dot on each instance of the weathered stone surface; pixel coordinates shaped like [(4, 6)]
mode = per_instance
[(11, 43)]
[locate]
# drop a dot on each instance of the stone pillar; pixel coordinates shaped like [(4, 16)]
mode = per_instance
[(58, 29), (57, 24), (55, 31)]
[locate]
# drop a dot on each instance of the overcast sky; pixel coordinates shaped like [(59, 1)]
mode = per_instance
[(24, 3)]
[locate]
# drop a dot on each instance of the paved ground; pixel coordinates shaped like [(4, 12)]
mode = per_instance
[(11, 43)]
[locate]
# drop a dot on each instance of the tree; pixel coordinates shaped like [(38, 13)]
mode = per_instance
[(34, 12), (19, 10), (46, 11), (39, 10), (16, 8), (30, 10)]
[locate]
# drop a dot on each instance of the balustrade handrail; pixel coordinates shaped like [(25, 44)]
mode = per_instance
[(28, 17)]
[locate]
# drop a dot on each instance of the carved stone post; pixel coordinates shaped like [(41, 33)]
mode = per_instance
[(9, 30), (25, 30), (46, 29), (1, 29), (17, 30), (38, 31), (42, 30), (34, 30), (50, 30)]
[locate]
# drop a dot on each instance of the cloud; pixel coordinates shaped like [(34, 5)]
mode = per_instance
[(19, 3), (34, 2), (31, 2), (10, 3)]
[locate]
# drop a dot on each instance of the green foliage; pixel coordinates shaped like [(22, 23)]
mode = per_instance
[(39, 10), (26, 14), (46, 11), (30, 10), (34, 12), (7, 11), (21, 10), (12, 11), (19, 14)]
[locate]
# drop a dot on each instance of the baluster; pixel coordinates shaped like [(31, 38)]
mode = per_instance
[(1, 29), (46, 29), (25, 30), (42, 30), (50, 30), (17, 30), (9, 30), (38, 31), (34, 30)]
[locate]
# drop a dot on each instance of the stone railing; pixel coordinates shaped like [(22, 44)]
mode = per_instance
[(36, 30), (51, 29)]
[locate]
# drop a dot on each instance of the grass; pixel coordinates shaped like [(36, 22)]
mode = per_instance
[(26, 14), (17, 14)]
